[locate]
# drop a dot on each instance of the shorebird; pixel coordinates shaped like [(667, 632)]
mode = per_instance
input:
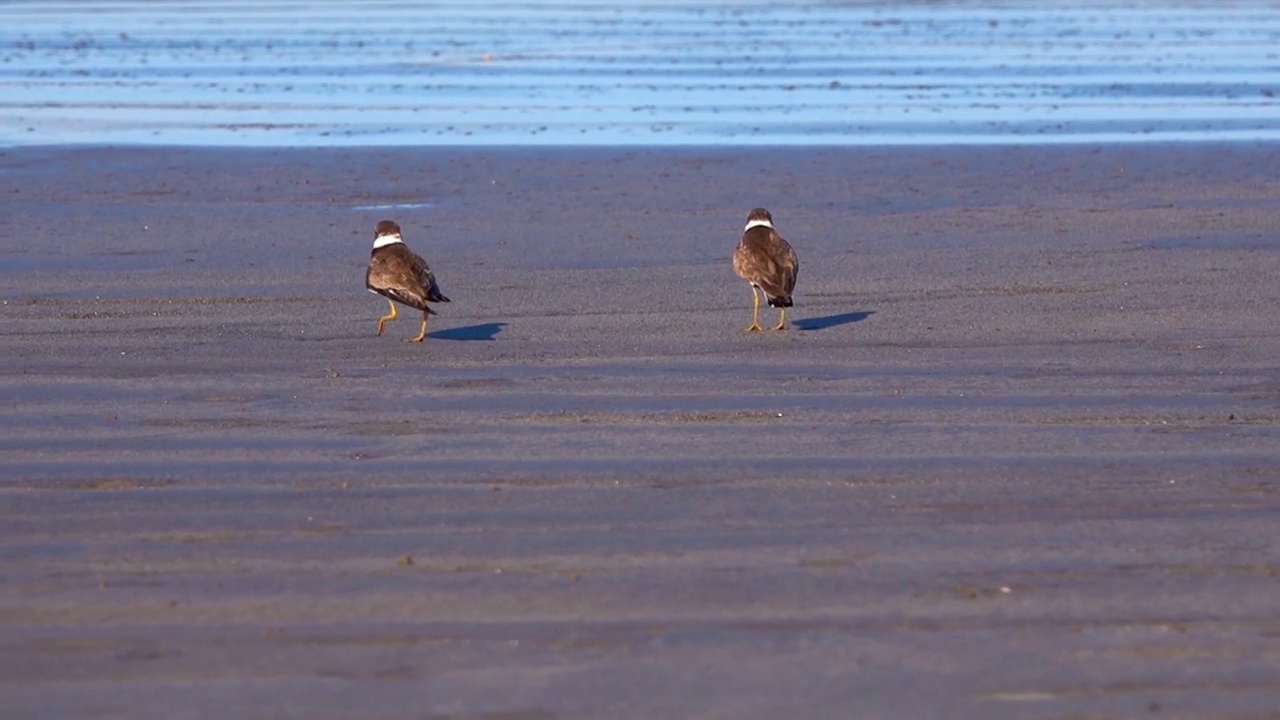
[(766, 261), (398, 274)]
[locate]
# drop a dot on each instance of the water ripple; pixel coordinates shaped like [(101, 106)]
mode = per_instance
[(294, 72)]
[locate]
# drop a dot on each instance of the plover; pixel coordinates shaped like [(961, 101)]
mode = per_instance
[(766, 261), (398, 274)]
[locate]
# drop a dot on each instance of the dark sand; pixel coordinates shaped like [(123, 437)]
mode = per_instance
[(1019, 456)]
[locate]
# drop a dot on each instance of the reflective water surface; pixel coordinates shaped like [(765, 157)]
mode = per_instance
[(291, 72)]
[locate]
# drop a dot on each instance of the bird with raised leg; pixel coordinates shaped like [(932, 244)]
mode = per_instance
[(401, 276)]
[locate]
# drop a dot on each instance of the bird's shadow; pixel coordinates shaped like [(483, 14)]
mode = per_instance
[(830, 321), (483, 331)]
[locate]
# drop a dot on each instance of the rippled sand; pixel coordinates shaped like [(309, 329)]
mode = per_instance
[(1019, 455)]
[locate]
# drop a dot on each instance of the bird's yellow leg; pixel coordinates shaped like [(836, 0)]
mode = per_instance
[(422, 333), (755, 311), (383, 320), (782, 319)]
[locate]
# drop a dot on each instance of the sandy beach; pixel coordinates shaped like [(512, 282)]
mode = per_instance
[(1018, 456)]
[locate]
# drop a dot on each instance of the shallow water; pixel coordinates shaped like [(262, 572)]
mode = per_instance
[(229, 72)]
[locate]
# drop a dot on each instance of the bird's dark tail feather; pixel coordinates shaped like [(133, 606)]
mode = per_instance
[(437, 297), (780, 302)]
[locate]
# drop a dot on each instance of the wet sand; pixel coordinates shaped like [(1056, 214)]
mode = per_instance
[(1019, 455)]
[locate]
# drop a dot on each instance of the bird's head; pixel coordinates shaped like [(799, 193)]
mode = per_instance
[(387, 233), (759, 218)]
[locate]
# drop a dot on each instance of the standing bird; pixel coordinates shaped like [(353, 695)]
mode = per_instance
[(766, 261), (398, 274)]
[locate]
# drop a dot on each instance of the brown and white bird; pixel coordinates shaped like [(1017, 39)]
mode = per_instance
[(766, 261), (398, 274)]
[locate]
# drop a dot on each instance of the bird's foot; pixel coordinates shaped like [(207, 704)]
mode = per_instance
[(753, 327)]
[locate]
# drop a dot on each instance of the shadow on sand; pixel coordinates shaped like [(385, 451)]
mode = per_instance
[(483, 331), (830, 321)]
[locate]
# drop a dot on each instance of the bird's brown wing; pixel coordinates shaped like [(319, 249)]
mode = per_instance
[(428, 280), (397, 273), (789, 265), (767, 261)]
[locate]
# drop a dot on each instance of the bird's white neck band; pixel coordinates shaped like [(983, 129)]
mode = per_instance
[(758, 223), (385, 240)]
